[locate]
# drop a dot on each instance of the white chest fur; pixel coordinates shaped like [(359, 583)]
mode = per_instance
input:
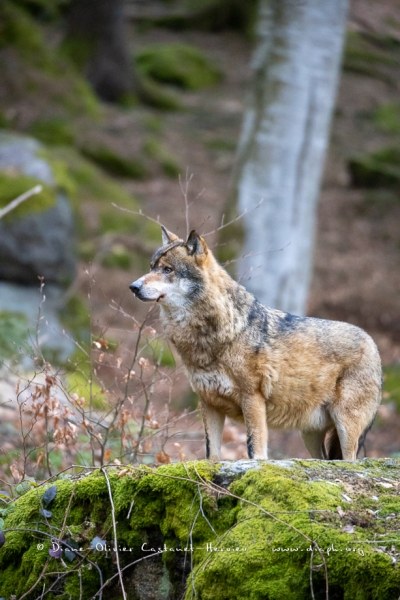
[(216, 382)]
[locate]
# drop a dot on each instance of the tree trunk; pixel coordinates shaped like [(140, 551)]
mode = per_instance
[(283, 144), (97, 37)]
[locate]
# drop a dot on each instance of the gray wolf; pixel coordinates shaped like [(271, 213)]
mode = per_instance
[(261, 365)]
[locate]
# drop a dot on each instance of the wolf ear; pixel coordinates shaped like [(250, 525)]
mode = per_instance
[(196, 244), (167, 236)]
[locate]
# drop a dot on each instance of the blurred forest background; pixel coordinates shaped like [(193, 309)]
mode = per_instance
[(129, 113)]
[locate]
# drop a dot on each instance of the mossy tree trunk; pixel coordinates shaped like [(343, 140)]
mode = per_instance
[(97, 39), (283, 144)]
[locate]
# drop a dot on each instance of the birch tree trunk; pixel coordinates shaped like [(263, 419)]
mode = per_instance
[(283, 143)]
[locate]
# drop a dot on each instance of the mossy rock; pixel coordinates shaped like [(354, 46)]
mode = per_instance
[(114, 163), (39, 70), (276, 529), (90, 184), (14, 183), (178, 64), (378, 169), (54, 131)]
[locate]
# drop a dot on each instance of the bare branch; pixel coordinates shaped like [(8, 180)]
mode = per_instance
[(121, 579), (235, 219), (137, 213), (25, 196)]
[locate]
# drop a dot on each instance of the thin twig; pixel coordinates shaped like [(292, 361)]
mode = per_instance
[(19, 200), (114, 524), (237, 218), (138, 213), (185, 193)]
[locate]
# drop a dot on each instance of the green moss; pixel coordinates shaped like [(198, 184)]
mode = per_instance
[(377, 169), (55, 130), (45, 9), (40, 69), (153, 94), (14, 184), (155, 150), (117, 257), (178, 64), (387, 117), (17, 29), (78, 50), (371, 54), (13, 333), (279, 517), (118, 221), (115, 164), (160, 353), (230, 238), (76, 319), (90, 182), (162, 499), (81, 381), (277, 544), (391, 385)]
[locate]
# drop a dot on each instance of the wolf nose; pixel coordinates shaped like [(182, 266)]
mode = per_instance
[(135, 287)]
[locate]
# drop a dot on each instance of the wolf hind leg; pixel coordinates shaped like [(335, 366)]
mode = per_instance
[(314, 442), (350, 424), (213, 421), (358, 397)]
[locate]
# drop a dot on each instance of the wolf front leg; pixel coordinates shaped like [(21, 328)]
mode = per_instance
[(255, 419), (213, 421)]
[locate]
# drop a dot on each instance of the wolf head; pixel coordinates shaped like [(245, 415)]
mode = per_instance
[(176, 274)]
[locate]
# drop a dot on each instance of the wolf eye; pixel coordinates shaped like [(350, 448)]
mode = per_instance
[(167, 270)]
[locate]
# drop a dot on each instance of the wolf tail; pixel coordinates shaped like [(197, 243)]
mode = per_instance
[(331, 448)]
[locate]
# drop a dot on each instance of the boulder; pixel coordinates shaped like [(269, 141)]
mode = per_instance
[(35, 246), (293, 529), (34, 242)]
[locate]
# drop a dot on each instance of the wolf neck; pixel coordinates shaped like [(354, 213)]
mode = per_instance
[(203, 329)]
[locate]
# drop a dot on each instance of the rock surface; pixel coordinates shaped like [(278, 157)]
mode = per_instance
[(37, 243), (34, 243)]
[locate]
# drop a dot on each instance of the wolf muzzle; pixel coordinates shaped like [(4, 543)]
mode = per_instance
[(135, 288)]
